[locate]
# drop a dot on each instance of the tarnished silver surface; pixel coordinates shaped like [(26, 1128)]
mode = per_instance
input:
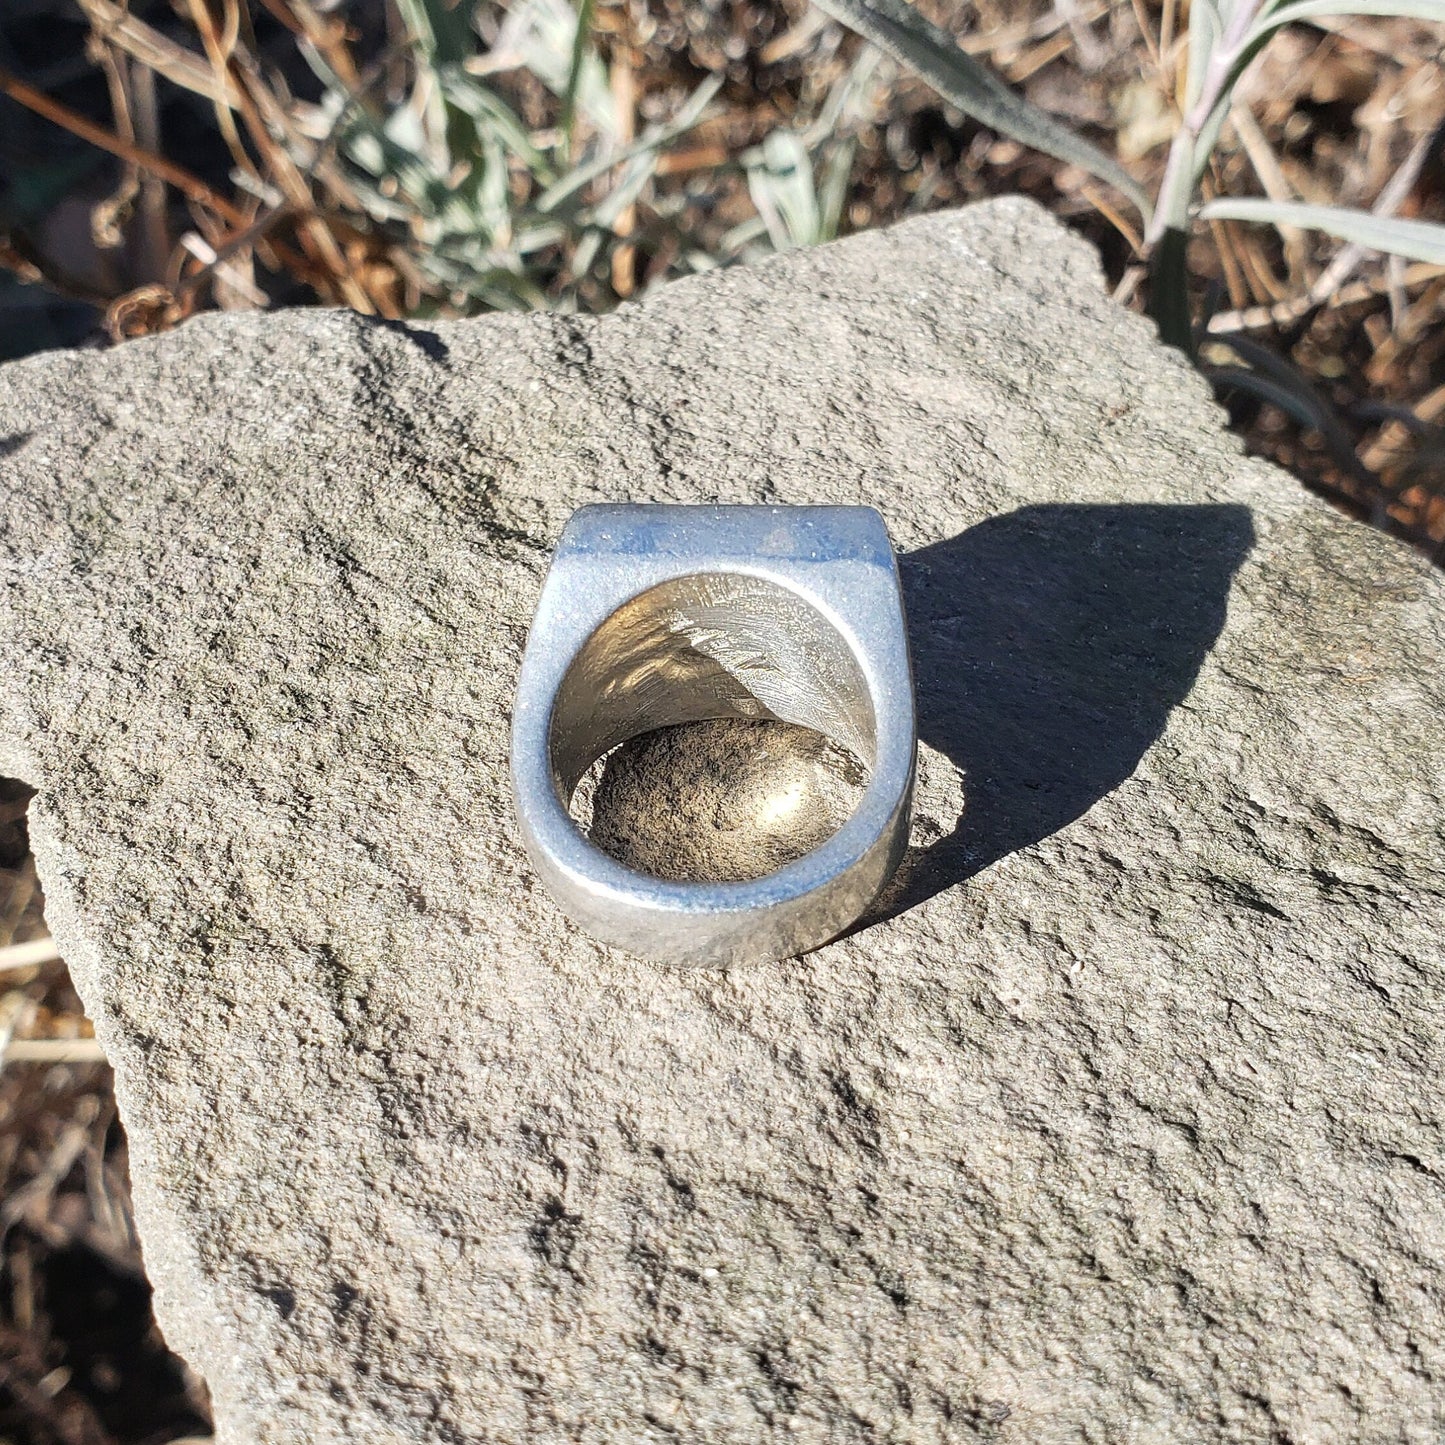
[(727, 800), (658, 615)]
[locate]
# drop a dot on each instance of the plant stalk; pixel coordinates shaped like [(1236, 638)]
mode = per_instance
[(568, 121), (1176, 190)]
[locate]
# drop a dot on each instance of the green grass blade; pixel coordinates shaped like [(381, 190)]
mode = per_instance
[(833, 193), (781, 184), (441, 30), (1419, 240), (628, 187), (1169, 291), (653, 139), (1272, 379), (580, 38), (1314, 9), (542, 35), (897, 28), (492, 113)]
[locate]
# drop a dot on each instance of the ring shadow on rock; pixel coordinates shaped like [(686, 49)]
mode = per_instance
[(1049, 647)]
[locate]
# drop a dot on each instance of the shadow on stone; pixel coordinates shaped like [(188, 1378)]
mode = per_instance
[(1049, 647), (427, 342)]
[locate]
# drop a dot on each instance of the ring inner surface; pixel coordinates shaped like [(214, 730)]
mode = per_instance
[(711, 645)]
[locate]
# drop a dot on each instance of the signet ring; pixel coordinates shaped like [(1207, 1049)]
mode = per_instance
[(657, 615)]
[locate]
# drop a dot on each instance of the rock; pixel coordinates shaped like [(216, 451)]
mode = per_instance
[(1121, 1121)]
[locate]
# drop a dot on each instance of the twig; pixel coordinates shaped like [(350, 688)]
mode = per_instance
[(1141, 19), (219, 49), (67, 1149), (1129, 284), (1407, 326), (30, 954), (796, 38), (1386, 204), (259, 108), (1166, 31), (1120, 223), (1041, 55), (107, 215), (17, 1009), (1224, 237), (698, 158), (227, 86), (624, 99), (190, 186), (1092, 54), (1011, 37), (328, 35), (142, 311), (192, 280), (23, 882), (54, 1051), (1240, 247), (1290, 310), (243, 286), (1272, 178), (154, 234), (1384, 42), (1426, 413), (1394, 277), (182, 67)]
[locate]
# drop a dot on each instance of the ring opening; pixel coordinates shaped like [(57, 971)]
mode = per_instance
[(723, 726)]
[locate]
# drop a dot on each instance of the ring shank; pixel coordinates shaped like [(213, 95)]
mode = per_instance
[(657, 615)]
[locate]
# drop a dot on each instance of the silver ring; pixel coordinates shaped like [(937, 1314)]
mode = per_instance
[(657, 615)]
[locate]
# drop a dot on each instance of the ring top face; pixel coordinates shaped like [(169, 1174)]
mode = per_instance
[(657, 615)]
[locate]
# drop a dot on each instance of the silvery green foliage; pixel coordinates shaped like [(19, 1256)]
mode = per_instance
[(897, 28), (798, 180), (1419, 240), (488, 207), (484, 203), (1225, 36)]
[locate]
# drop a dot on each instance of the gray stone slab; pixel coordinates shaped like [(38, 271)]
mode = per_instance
[(1124, 1124)]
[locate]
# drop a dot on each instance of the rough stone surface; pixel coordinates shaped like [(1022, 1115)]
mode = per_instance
[(1123, 1124)]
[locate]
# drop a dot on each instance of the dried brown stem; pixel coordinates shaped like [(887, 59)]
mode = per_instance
[(189, 185)]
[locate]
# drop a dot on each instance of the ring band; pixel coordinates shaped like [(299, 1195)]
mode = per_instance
[(654, 615)]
